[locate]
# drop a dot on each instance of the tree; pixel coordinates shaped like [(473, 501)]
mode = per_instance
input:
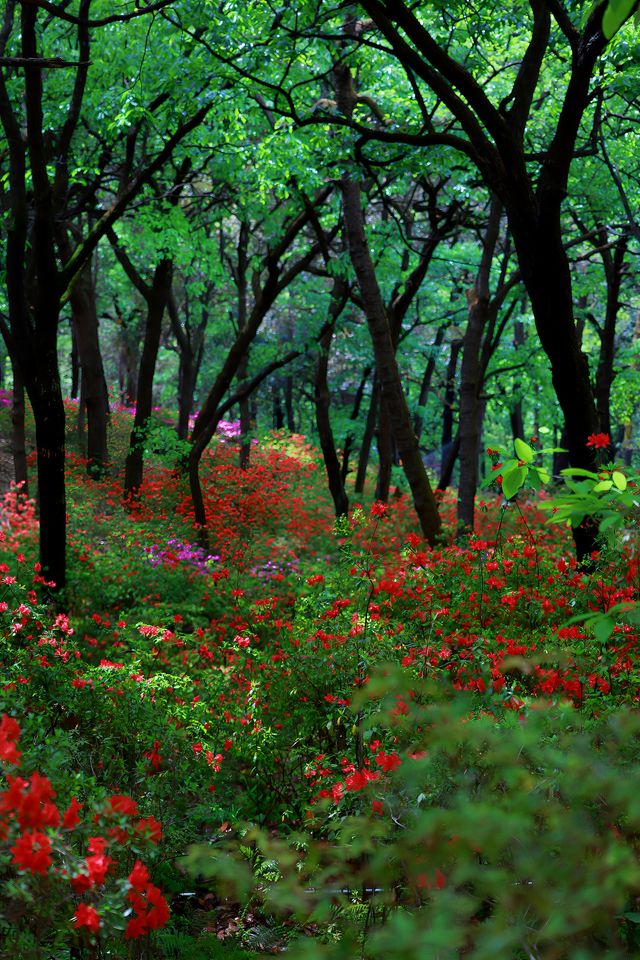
[(493, 137), (40, 279)]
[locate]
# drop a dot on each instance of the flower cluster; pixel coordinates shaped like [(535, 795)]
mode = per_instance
[(43, 843)]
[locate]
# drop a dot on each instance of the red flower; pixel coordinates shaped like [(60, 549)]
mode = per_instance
[(32, 852), (87, 917), (150, 827), (119, 803), (9, 735), (139, 876), (598, 440), (388, 761), (70, 817)]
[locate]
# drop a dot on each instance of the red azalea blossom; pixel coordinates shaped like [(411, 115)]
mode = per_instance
[(32, 852), (599, 441), (9, 735), (119, 803), (70, 817), (86, 916)]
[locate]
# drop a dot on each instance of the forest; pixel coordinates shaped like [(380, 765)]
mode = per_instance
[(319, 472)]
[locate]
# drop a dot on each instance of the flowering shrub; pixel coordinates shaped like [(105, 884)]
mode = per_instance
[(40, 852), (473, 838)]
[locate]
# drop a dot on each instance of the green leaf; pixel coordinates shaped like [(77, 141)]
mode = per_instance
[(612, 520), (603, 628), (619, 479), (617, 12), (602, 486), (523, 450), (578, 472), (512, 481)]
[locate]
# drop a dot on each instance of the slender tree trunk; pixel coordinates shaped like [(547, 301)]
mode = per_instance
[(278, 412), (156, 304), (385, 454), (95, 396), (613, 266), (186, 390), (75, 363), (515, 410), (448, 459), (18, 437), (323, 423), (425, 386), (367, 438), (355, 413), (386, 365), (471, 376), (42, 382)]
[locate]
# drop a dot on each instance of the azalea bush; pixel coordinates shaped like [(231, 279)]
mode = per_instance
[(55, 863), (232, 691), (478, 836)]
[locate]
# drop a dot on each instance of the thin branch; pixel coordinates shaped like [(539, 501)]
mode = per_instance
[(42, 63), (62, 14)]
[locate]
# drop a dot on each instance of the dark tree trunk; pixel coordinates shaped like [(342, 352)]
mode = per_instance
[(355, 413), (425, 386), (613, 268), (449, 457), (18, 437), (367, 438), (385, 454), (449, 400), (471, 373), (128, 362), (156, 304), (278, 412), (323, 422), (48, 411), (388, 373), (187, 374), (95, 397), (516, 418), (75, 363), (288, 404)]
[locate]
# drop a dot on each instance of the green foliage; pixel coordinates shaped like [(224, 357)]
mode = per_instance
[(500, 839), (516, 473)]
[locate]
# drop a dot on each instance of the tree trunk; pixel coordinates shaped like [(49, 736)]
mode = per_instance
[(323, 423), (388, 373), (355, 413), (367, 438), (613, 268), (45, 395), (95, 396), (471, 375), (425, 386), (385, 454), (516, 418), (18, 438), (449, 457), (156, 304), (288, 404)]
